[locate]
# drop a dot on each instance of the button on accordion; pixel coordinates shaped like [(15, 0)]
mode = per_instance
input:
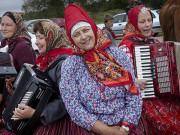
[(159, 65), (32, 87)]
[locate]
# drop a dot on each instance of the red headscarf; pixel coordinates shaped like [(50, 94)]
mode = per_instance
[(132, 30), (73, 14), (103, 66)]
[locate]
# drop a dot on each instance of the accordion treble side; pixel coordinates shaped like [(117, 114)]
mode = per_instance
[(32, 87), (158, 64)]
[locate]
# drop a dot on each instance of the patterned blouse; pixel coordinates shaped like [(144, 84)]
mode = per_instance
[(84, 100)]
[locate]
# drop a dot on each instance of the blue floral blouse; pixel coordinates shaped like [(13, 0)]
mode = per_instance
[(84, 100)]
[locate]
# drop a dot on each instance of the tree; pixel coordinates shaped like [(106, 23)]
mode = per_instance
[(43, 8), (156, 4)]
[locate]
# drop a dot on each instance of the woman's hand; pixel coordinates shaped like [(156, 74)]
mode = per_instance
[(142, 84), (103, 129), (1, 98), (23, 112), (119, 131), (9, 84), (123, 131)]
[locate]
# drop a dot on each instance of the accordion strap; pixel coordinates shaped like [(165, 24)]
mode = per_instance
[(61, 57), (39, 109)]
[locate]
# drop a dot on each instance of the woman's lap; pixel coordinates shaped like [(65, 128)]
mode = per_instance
[(162, 115)]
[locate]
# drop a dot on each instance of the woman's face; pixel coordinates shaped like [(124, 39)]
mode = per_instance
[(145, 23), (41, 42), (8, 27), (84, 38)]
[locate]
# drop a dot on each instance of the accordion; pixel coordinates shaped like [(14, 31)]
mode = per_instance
[(7, 72), (32, 87), (6, 69), (159, 65)]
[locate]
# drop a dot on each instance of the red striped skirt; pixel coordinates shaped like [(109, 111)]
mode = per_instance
[(66, 126)]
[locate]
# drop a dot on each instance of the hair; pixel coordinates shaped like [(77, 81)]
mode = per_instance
[(144, 9), (10, 15), (107, 17), (38, 27)]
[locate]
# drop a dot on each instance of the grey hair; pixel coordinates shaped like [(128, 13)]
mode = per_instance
[(144, 9)]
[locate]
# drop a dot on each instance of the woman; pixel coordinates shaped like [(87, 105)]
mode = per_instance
[(159, 115), (97, 83), (52, 45), (17, 39)]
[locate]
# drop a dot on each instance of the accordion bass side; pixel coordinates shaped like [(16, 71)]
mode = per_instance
[(159, 65), (32, 88)]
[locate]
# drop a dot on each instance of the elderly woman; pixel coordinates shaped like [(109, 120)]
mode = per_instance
[(97, 83), (53, 48), (160, 116)]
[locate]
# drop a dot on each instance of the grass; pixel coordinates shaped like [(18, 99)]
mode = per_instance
[(98, 17)]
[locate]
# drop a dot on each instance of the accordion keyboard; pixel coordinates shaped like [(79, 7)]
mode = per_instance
[(144, 68)]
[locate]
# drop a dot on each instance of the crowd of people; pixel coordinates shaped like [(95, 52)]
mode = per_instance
[(97, 90)]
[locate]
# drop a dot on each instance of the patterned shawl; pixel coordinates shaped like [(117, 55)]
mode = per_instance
[(102, 66), (19, 34), (56, 44)]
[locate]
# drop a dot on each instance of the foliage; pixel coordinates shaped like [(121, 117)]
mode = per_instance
[(98, 17), (155, 4), (43, 8), (55, 8)]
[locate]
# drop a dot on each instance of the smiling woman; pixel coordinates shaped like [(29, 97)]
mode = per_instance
[(83, 37), (53, 49), (98, 86), (17, 39), (159, 113)]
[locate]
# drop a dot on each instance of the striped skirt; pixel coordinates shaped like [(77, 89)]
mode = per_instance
[(64, 126)]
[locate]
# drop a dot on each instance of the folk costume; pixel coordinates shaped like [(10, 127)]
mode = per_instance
[(53, 121), (98, 84), (160, 116), (19, 49)]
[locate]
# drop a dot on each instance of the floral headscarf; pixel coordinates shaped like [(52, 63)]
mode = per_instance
[(19, 34), (101, 65), (56, 44)]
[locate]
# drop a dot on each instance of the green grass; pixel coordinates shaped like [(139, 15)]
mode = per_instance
[(98, 17)]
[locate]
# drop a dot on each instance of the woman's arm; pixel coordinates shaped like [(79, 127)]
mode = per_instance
[(0, 98), (55, 109), (133, 103), (25, 54), (70, 94), (103, 129)]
